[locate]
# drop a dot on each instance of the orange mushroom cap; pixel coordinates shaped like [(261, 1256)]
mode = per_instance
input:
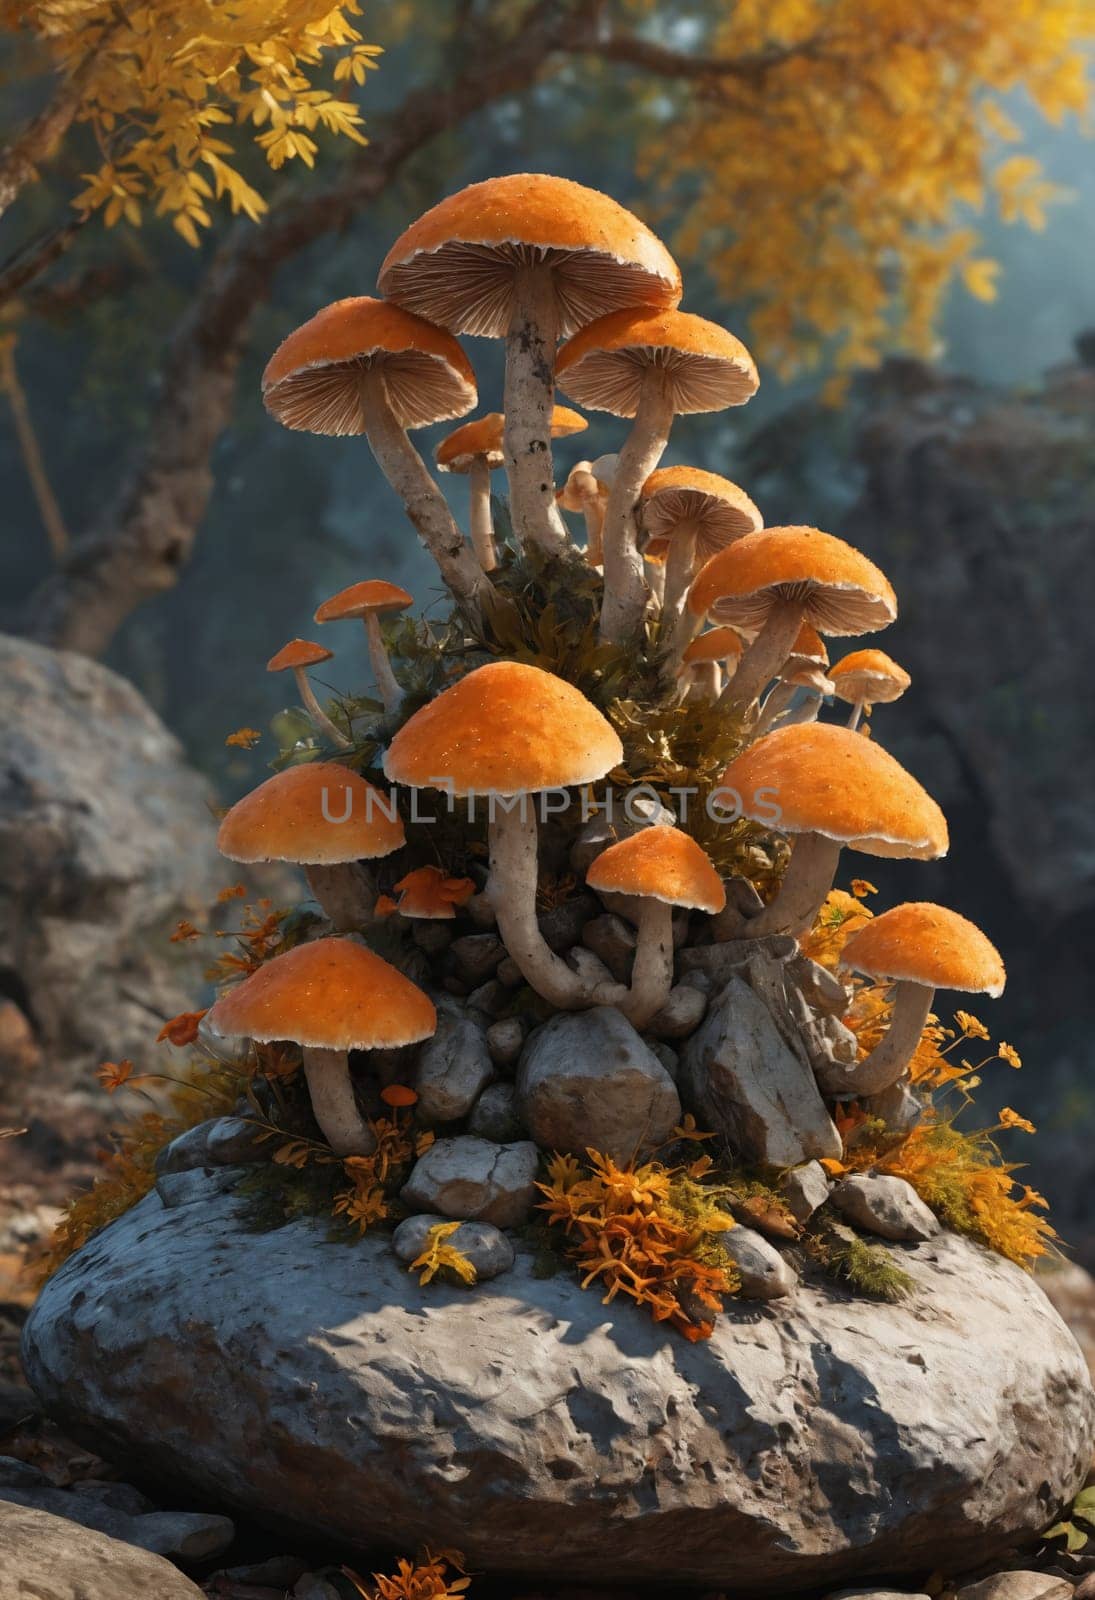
[(919, 942), (482, 437), (331, 994), (870, 675), (602, 366), (830, 780), (312, 381), (457, 263), (662, 863), (809, 648), (717, 644), (283, 819), (505, 729), (844, 592), (717, 508), (298, 653), (428, 892), (359, 599)]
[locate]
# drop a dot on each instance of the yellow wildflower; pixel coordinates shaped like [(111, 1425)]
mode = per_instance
[(1012, 1119), (861, 888), (1008, 1053), (970, 1025)]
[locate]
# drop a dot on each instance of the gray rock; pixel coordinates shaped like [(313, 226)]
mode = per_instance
[(588, 966), (742, 904), (476, 957), (874, 1594), (1017, 1586), (840, 1043), (505, 1040), (804, 1189), (741, 1080), (16, 1474), (485, 1246), (668, 1057), (220, 1142), (313, 1587), (562, 926), (899, 1107), (117, 1496), (45, 1557), (480, 911), (431, 935), (510, 973), (721, 962), (821, 990), (764, 1273), (105, 843), (495, 1115), (278, 1572), (830, 1418), (183, 1188), (613, 941), (180, 1535), (586, 1079), (475, 1179), (887, 1206), (452, 1070), (681, 1015), (491, 998)]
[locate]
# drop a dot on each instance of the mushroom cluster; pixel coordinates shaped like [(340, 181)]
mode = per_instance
[(535, 897)]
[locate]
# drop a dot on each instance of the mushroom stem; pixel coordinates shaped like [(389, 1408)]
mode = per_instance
[(316, 711), (654, 574), (345, 893), (765, 656), (679, 566), (806, 882), (512, 892), (425, 505), (594, 513), (857, 713), (652, 973), (529, 403), (479, 514), (703, 681), (386, 681), (891, 1055), (686, 625), (331, 1091), (775, 703), (626, 594)]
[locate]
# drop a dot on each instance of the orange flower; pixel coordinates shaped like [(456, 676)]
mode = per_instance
[(113, 1074), (181, 1030), (184, 930), (861, 888), (1008, 1053), (244, 738), (398, 1094), (1012, 1119)]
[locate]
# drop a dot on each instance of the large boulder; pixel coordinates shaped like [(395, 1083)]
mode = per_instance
[(325, 1391), (43, 1557)]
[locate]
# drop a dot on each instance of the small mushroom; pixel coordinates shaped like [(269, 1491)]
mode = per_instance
[(868, 678), (428, 893), (330, 997), (528, 258), (500, 736), (776, 580), (325, 818), (296, 657), (804, 669), (920, 947), (652, 366), (829, 788), (665, 869), (703, 659), (370, 601), (582, 492)]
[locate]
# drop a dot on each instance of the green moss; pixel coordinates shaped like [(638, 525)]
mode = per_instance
[(868, 1269)]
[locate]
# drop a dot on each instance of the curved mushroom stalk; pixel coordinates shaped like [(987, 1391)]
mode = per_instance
[(391, 691), (890, 1057), (776, 702), (765, 656), (529, 405), (481, 522), (807, 881), (702, 681), (858, 708), (626, 594), (680, 567), (425, 505), (512, 891), (345, 893), (334, 1107), (652, 974), (315, 710)]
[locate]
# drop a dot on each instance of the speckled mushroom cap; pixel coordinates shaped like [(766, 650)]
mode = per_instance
[(298, 653), (717, 644), (374, 595), (663, 864), (602, 367), (843, 591), (830, 780), (871, 676), (482, 437), (457, 263), (717, 508), (331, 994), (505, 729), (283, 819), (312, 381), (919, 942)]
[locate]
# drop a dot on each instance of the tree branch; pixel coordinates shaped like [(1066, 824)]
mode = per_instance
[(664, 62)]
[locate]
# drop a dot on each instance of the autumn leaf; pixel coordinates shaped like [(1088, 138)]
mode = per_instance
[(181, 1030), (437, 1254)]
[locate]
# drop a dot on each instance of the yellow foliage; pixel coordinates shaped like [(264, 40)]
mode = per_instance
[(437, 1255), (375, 1178), (648, 1231), (163, 88), (841, 916), (830, 182)]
